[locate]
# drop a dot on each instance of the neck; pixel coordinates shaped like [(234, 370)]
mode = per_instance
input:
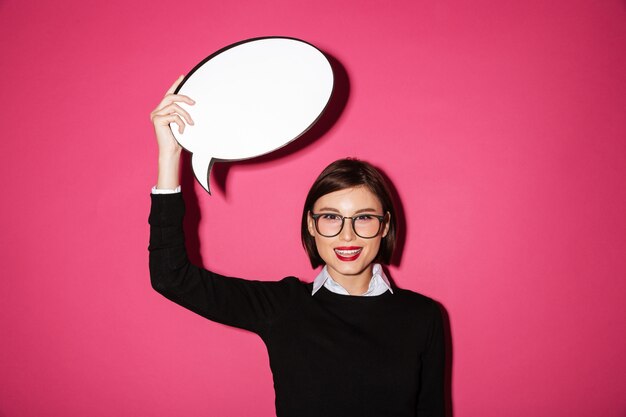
[(355, 284)]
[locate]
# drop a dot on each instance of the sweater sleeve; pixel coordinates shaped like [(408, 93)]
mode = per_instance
[(250, 305), (431, 402)]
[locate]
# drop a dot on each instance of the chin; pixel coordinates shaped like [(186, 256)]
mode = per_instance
[(348, 270)]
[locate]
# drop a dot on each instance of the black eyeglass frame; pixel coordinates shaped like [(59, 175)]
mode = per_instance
[(381, 221)]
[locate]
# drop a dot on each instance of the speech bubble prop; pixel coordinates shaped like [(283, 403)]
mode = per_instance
[(252, 98)]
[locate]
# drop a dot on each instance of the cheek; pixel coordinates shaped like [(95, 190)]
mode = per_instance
[(325, 249), (374, 248), (321, 245)]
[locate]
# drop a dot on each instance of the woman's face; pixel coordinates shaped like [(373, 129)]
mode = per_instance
[(348, 256)]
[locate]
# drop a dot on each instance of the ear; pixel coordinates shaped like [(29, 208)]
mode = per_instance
[(310, 223), (387, 223)]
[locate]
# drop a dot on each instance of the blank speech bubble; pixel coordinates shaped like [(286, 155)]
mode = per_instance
[(252, 98)]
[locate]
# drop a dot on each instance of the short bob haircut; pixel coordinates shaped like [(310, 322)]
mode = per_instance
[(342, 174)]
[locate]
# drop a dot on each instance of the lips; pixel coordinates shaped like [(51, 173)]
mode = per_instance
[(348, 253)]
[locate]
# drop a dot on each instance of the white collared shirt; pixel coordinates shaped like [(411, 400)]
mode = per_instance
[(378, 284)]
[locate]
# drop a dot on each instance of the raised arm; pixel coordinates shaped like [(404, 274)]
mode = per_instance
[(236, 302)]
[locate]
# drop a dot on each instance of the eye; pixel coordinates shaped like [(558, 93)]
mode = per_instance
[(364, 218), (330, 217)]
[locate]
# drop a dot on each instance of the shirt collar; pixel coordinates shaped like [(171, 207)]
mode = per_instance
[(378, 284)]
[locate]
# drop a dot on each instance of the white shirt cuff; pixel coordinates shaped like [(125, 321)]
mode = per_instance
[(165, 191)]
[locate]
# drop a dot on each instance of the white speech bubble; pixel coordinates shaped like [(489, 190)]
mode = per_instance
[(252, 98)]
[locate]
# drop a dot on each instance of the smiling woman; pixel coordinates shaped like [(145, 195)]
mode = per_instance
[(349, 190), (347, 344)]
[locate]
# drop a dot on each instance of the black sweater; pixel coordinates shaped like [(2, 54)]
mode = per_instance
[(330, 354)]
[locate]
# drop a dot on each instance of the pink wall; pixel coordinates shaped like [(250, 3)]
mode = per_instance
[(501, 123)]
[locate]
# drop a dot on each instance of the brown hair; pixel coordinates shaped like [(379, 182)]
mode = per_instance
[(342, 174)]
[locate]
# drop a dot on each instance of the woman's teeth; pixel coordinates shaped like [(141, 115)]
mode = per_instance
[(347, 253)]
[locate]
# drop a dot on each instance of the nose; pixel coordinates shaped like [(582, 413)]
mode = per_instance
[(347, 233)]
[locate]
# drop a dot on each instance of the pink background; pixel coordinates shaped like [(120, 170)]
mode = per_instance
[(501, 123)]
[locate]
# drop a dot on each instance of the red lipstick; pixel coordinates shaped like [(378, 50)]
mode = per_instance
[(348, 253)]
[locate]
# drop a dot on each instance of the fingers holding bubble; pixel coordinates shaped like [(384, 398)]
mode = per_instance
[(171, 109), (174, 118), (175, 98), (171, 98)]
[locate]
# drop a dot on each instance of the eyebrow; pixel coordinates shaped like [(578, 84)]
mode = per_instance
[(334, 210)]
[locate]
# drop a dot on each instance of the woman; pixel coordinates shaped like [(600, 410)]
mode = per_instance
[(348, 344)]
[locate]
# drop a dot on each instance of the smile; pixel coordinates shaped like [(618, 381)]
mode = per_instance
[(348, 253)]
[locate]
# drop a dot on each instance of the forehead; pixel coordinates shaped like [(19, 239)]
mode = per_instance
[(349, 200)]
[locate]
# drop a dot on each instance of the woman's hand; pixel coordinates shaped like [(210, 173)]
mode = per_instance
[(168, 111)]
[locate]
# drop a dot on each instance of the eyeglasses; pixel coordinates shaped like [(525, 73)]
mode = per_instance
[(366, 226)]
